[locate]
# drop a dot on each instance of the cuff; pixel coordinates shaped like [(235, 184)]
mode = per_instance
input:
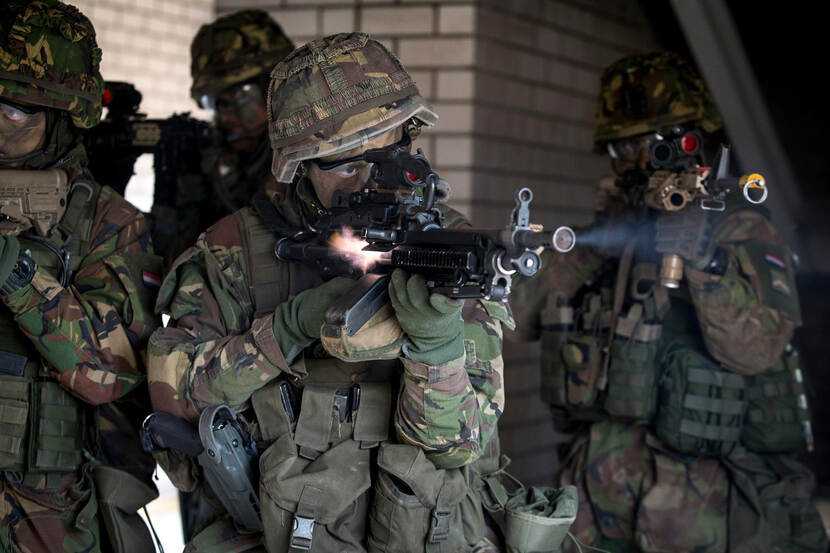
[(262, 330)]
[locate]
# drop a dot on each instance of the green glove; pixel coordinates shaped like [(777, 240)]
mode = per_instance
[(432, 323), (9, 251), (297, 321)]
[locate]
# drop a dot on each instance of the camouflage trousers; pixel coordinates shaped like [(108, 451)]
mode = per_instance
[(38, 519), (636, 495)]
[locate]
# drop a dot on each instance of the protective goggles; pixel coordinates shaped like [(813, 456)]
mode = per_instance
[(234, 98), (356, 162), (630, 149), (17, 117)]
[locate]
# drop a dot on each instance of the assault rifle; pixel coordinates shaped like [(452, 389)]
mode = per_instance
[(398, 225), (673, 190), (117, 141)]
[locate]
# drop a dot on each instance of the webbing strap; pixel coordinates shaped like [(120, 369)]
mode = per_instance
[(623, 270), (76, 223), (18, 389), (303, 531), (10, 444), (721, 379), (14, 414), (710, 431), (441, 515), (714, 405), (642, 273), (563, 315), (60, 413)]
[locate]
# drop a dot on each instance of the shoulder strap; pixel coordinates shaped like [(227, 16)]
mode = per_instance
[(271, 281), (76, 223)]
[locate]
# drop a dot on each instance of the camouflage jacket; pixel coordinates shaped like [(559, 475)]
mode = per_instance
[(92, 333), (226, 183), (215, 351), (746, 315)]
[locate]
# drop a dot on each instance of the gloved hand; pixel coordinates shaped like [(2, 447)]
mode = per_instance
[(9, 251), (297, 321), (432, 323)]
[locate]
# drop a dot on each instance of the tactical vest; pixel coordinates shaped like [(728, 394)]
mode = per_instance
[(647, 373), (331, 465), (43, 428)]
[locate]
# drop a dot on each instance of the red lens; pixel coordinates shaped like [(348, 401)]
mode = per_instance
[(689, 143), (411, 177), (106, 98)]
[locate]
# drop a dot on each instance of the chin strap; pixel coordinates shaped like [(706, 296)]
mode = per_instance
[(25, 157)]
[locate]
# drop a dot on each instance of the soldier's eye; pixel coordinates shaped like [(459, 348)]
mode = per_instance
[(345, 171), (12, 113)]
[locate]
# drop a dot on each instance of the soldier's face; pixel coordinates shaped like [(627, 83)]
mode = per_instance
[(22, 130), (630, 153), (349, 177), (241, 116)]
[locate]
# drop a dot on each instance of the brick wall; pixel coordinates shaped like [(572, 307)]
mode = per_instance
[(536, 76), (147, 43), (514, 84)]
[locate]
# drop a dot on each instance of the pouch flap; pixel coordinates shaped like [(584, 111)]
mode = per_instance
[(314, 424), (409, 464), (342, 472), (270, 412), (373, 413)]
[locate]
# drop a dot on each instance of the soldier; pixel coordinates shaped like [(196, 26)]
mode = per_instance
[(230, 61), (376, 453), (675, 381), (77, 279)]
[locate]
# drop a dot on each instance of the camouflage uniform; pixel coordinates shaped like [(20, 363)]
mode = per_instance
[(234, 49), (221, 345), (72, 390), (736, 308)]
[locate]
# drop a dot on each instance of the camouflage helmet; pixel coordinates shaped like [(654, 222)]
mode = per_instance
[(233, 49), (49, 57), (648, 92), (334, 94)]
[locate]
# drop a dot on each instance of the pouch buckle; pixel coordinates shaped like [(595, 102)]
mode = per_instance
[(302, 533), (440, 525)]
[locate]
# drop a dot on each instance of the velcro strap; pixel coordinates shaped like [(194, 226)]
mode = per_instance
[(710, 431), (720, 379), (714, 405)]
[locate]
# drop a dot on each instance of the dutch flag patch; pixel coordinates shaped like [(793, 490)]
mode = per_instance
[(775, 260), (151, 280)]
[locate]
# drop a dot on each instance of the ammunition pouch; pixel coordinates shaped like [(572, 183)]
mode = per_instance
[(532, 520), (702, 406), (419, 508), (120, 495), (316, 475), (773, 422), (584, 379), (43, 428)]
